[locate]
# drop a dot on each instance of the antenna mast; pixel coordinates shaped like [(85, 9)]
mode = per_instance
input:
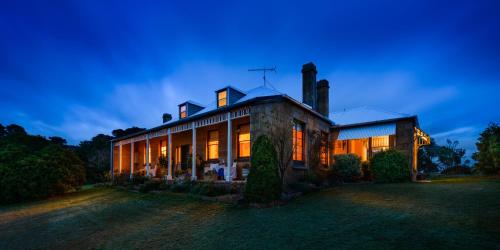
[(264, 70)]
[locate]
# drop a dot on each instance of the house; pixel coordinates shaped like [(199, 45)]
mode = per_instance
[(220, 134)]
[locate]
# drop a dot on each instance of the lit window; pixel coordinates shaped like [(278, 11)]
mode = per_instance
[(298, 141), (183, 110), (163, 148), (323, 150), (178, 155), (222, 98), (380, 143), (341, 147), (213, 145), (244, 141)]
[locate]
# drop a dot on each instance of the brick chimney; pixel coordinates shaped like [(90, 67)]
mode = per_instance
[(323, 97), (309, 84)]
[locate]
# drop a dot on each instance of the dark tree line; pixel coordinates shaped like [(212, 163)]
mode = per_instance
[(33, 167), (433, 157)]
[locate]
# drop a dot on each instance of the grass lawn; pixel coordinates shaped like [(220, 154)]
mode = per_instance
[(447, 213)]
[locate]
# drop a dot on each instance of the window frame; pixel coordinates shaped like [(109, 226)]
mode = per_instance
[(238, 142), (208, 145), (181, 112), (298, 124), (324, 149), (225, 98)]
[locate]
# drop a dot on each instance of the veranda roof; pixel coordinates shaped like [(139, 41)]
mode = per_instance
[(367, 131)]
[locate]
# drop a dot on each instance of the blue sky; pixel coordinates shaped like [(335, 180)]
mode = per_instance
[(78, 68)]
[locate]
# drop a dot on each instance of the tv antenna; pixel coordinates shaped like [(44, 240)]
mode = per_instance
[(264, 70)]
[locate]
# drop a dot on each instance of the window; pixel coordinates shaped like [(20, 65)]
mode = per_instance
[(183, 111), (340, 147), (380, 143), (163, 148), (323, 149), (244, 141), (213, 145), (177, 155), (298, 141), (222, 98)]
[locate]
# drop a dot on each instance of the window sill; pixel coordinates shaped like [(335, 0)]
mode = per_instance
[(299, 165)]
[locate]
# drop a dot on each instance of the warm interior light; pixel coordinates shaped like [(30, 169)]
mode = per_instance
[(213, 145), (183, 111), (222, 98), (244, 141), (298, 141)]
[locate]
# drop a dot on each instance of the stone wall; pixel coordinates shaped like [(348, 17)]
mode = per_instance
[(267, 118)]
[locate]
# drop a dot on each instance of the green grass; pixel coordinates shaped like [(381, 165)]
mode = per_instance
[(448, 213)]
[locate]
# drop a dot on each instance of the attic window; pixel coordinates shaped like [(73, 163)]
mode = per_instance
[(183, 111), (222, 98)]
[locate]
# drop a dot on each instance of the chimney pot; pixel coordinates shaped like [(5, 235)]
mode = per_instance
[(309, 84), (323, 97)]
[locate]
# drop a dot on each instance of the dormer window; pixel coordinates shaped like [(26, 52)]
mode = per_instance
[(188, 108), (227, 96), (183, 111), (222, 98)]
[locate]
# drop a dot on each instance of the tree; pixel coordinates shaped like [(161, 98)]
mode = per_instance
[(2, 130), (427, 155), (281, 139), (95, 155), (58, 140), (451, 155), (263, 182), (120, 132), (33, 167), (487, 156)]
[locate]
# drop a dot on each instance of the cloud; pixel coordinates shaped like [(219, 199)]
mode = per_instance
[(456, 131), (396, 91)]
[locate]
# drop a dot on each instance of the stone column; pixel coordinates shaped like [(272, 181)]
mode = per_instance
[(131, 158), (229, 147), (193, 155), (169, 175), (147, 155)]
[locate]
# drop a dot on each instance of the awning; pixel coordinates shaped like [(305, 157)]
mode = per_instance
[(367, 131)]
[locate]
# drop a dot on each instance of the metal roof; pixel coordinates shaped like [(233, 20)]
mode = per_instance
[(364, 114), (367, 131)]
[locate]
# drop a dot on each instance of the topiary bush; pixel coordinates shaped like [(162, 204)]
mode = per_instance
[(390, 166), (347, 167), (263, 181)]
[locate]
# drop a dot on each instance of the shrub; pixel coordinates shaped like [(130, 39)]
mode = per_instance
[(366, 171), (390, 166), (209, 189), (263, 181), (347, 166), (50, 171), (149, 186), (181, 186)]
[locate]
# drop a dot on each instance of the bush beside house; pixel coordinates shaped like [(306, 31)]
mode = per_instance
[(347, 167), (263, 182), (390, 166)]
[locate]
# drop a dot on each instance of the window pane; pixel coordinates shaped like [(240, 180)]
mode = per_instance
[(213, 145), (244, 141), (298, 141), (244, 149), (222, 98)]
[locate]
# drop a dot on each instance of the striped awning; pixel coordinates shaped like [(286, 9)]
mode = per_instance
[(367, 131)]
